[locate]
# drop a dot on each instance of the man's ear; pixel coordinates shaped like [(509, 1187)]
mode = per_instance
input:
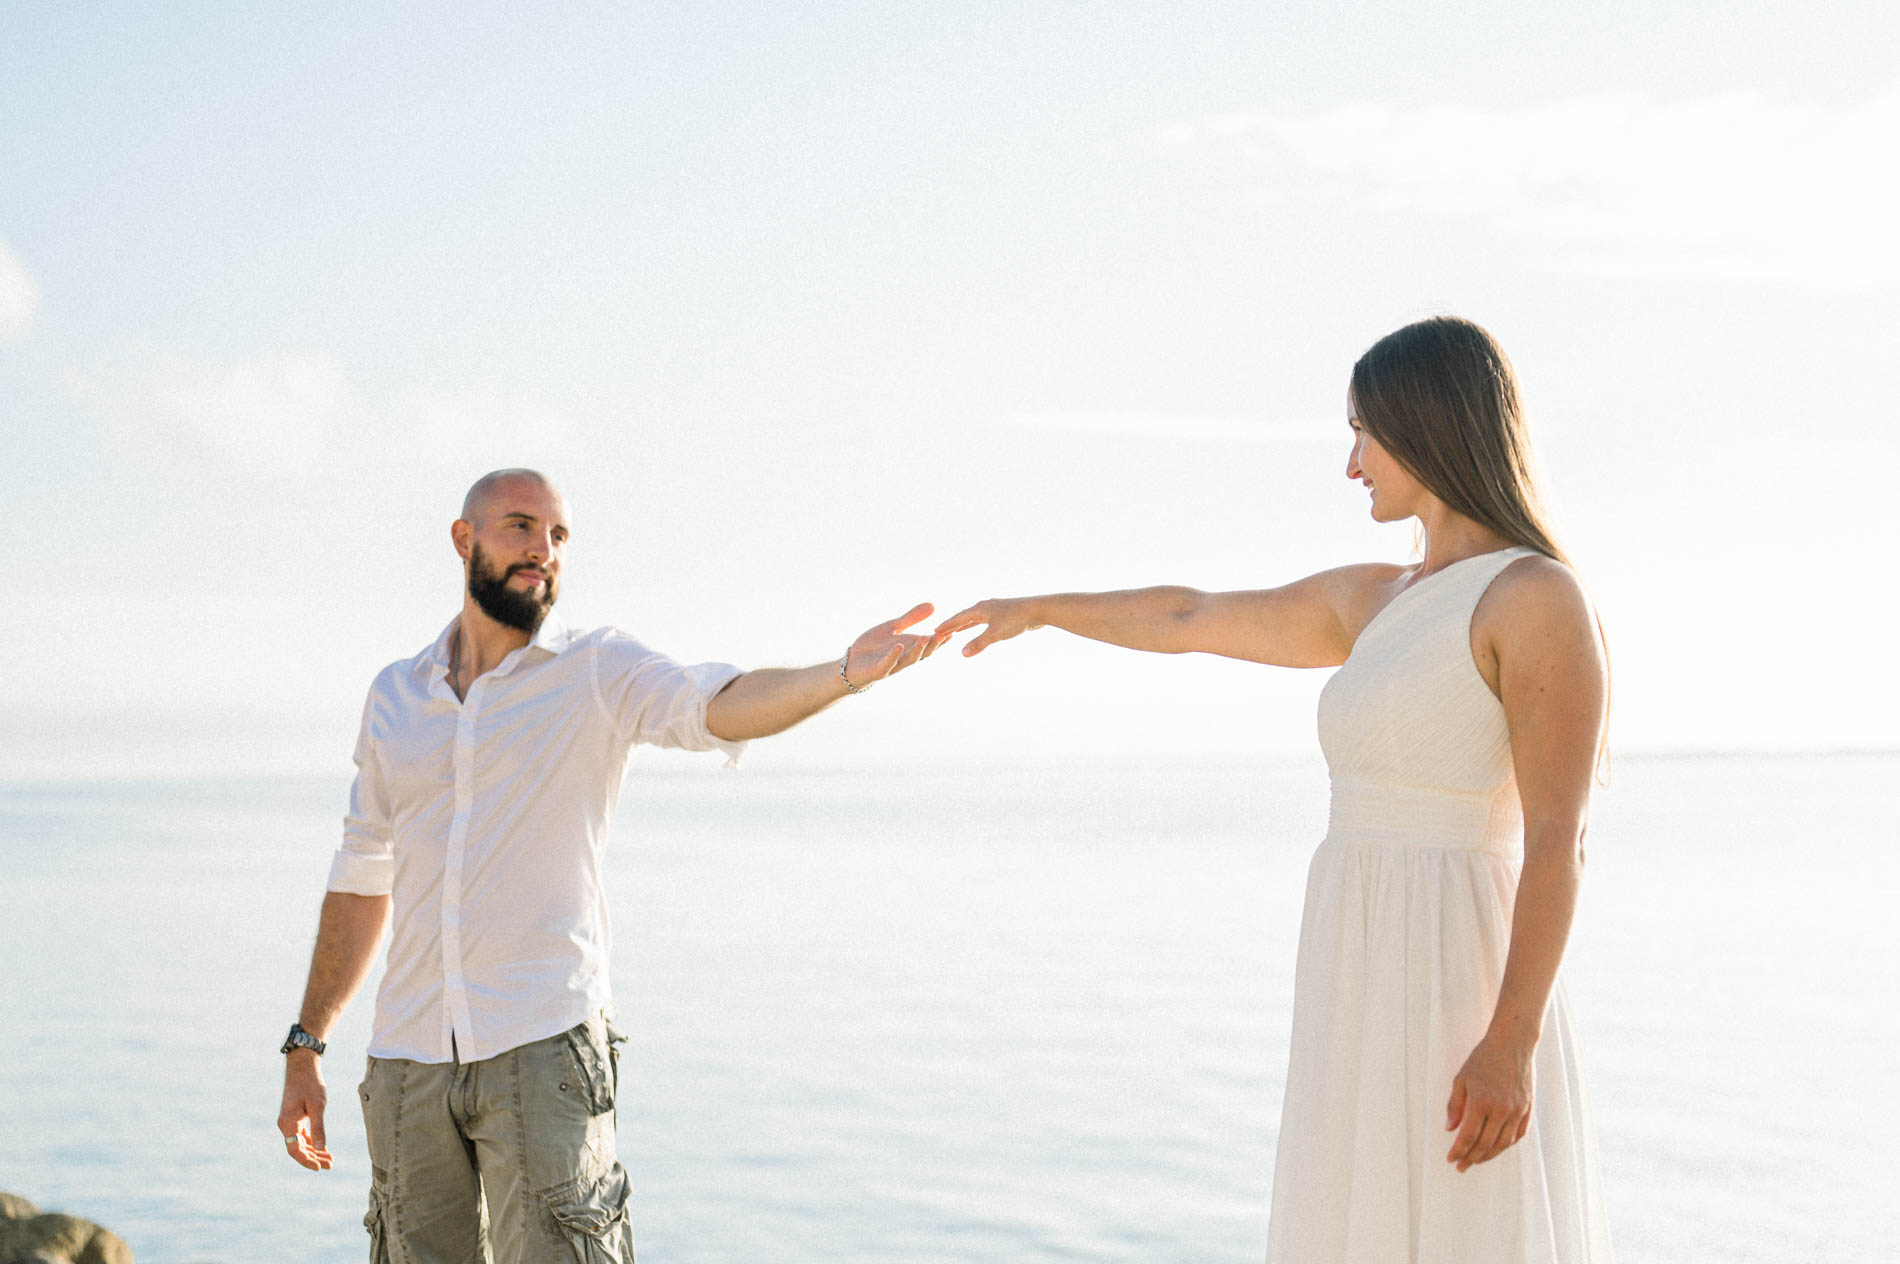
[(460, 533)]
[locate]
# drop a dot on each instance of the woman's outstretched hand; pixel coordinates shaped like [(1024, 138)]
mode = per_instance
[(1490, 1103), (1000, 618)]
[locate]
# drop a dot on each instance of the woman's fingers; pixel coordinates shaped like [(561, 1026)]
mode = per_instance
[(1491, 1140), (1487, 1133), (1466, 1141), (1486, 1124), (999, 618), (1455, 1108), (1510, 1127), (1474, 1138), (962, 620), (991, 635)]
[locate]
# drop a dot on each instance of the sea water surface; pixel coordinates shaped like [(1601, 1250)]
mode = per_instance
[(1006, 1016)]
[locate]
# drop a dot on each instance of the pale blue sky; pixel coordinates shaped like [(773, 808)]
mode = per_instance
[(820, 310)]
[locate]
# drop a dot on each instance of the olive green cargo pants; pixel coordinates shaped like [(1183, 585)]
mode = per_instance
[(505, 1161)]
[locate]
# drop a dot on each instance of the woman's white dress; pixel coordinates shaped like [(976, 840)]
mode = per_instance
[(1402, 948)]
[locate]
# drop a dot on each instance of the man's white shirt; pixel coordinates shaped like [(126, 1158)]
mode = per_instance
[(485, 820)]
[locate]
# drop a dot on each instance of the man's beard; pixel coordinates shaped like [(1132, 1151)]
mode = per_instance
[(522, 611)]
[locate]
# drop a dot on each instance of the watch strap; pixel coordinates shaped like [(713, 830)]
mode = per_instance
[(301, 1039)]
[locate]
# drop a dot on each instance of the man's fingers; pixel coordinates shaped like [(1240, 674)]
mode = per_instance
[(303, 1151), (922, 610), (316, 1130), (1455, 1108), (306, 1156)]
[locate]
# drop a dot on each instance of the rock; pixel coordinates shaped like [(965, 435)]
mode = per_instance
[(30, 1236)]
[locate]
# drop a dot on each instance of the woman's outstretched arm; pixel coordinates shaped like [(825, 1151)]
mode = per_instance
[(1536, 644), (1311, 622)]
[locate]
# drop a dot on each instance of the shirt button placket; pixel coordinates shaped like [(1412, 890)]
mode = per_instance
[(454, 984)]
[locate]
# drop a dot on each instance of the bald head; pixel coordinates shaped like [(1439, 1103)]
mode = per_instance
[(512, 538), (498, 485)]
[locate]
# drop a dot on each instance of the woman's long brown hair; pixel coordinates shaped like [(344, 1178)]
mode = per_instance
[(1441, 397)]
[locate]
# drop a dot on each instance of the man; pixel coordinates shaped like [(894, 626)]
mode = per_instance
[(488, 767)]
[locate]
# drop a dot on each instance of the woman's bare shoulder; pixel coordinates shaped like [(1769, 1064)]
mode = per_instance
[(1535, 597), (1537, 580)]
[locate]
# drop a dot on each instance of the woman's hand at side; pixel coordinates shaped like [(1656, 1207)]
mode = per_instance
[(1490, 1105)]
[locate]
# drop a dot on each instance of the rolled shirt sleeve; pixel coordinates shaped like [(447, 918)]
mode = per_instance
[(653, 700), (366, 863)]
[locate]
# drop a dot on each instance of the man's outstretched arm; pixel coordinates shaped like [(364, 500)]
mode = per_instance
[(772, 699), (348, 934)]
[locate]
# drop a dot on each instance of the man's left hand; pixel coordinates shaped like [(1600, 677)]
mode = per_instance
[(885, 650)]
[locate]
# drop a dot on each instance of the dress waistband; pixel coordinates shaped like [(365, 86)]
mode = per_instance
[(1365, 811)]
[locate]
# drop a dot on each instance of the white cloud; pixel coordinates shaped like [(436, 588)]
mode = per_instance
[(1729, 187), (19, 295), (295, 410), (482, 426), (265, 413)]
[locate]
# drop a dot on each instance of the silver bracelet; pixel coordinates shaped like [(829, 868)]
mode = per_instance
[(848, 686)]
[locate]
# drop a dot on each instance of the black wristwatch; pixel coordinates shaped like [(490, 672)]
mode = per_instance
[(301, 1039)]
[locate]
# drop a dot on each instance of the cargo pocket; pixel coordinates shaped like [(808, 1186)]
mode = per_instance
[(587, 1046), (591, 1214), (376, 1221)]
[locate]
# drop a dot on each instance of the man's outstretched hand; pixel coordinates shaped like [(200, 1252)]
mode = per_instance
[(770, 700), (885, 650)]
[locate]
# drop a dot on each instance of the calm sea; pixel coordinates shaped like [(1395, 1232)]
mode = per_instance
[(949, 1018)]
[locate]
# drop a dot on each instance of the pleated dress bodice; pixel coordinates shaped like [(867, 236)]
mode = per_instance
[(1416, 745)]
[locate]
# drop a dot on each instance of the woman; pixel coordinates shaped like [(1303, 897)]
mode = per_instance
[(1434, 1110)]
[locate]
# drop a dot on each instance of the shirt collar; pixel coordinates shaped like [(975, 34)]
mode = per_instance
[(551, 638), (553, 635)]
